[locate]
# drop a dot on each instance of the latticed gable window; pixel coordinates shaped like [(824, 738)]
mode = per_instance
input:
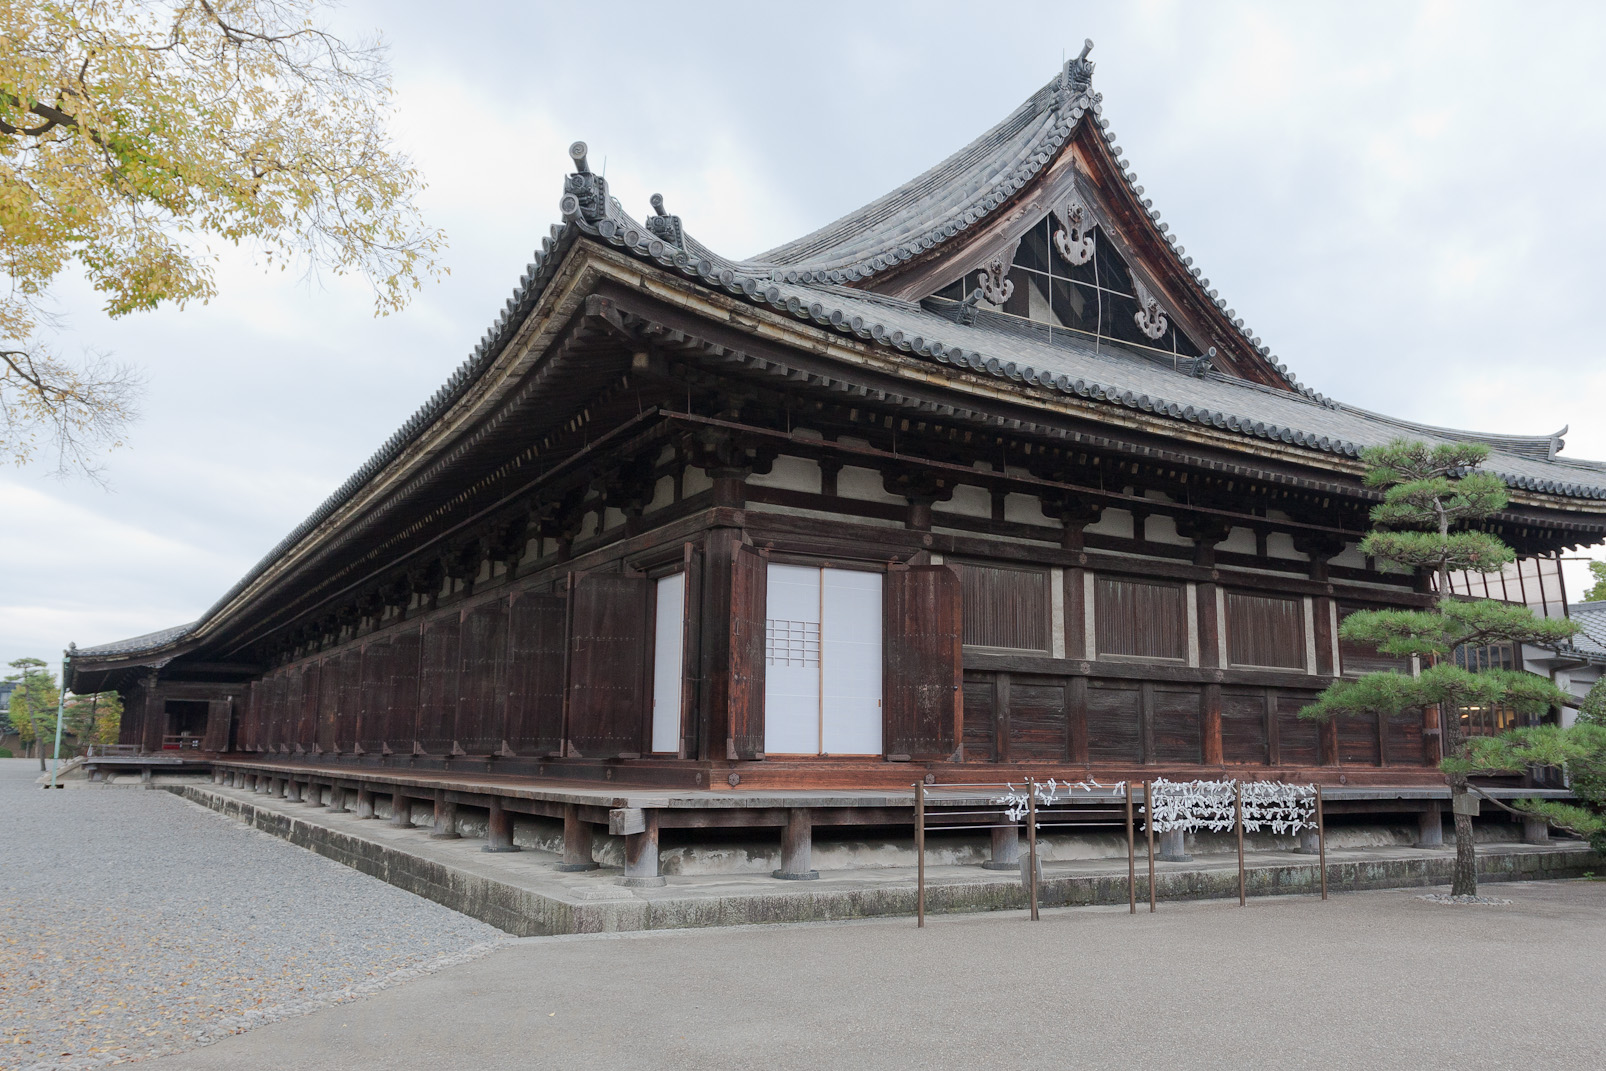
[(1097, 298)]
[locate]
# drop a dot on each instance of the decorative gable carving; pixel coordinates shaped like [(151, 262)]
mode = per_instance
[(1074, 239), (1150, 318)]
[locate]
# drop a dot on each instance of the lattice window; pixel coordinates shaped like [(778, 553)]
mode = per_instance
[(1097, 299), (791, 643)]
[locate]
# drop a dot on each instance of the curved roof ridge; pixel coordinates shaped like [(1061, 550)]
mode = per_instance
[(1543, 446)]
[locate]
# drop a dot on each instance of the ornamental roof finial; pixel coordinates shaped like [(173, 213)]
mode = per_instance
[(584, 194), (664, 225), (1078, 74)]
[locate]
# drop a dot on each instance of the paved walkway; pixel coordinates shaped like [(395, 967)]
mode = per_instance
[(135, 923), (1364, 981)]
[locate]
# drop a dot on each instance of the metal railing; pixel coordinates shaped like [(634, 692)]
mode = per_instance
[(1004, 805)]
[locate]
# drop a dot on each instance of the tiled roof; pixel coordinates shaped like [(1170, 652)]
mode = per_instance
[(151, 641), (1591, 619), (804, 278)]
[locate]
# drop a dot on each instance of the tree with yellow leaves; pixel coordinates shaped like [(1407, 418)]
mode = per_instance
[(135, 132)]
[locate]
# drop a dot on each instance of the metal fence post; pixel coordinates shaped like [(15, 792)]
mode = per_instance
[(1238, 810), (1131, 855), (920, 853), (1031, 841), (1148, 809), (1321, 840)]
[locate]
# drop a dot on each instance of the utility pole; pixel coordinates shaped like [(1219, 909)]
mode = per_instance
[(61, 709)]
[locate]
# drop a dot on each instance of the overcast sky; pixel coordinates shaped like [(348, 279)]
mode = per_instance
[(1403, 201)]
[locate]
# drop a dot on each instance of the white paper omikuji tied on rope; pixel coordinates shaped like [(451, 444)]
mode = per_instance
[(1279, 806), (1048, 793), (1192, 806)]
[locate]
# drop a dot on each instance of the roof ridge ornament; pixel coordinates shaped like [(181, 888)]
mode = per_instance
[(1075, 241), (1077, 77), (664, 225), (1150, 317), (585, 194)]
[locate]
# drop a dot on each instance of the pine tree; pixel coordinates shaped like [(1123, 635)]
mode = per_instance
[(1431, 494)]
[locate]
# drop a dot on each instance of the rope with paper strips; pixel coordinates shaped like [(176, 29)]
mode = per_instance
[(1015, 801), (1208, 805)]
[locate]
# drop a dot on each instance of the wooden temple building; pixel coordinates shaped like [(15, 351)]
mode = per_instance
[(983, 480)]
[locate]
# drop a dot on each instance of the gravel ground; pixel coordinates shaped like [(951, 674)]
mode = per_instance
[(134, 923)]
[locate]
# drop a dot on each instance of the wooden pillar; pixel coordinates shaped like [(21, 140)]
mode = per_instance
[(401, 811), (499, 829), (337, 799), (1535, 831), (1309, 842), (365, 802), (292, 790), (1330, 742), (1001, 717), (1430, 826), (713, 699), (1173, 847), (217, 776), (280, 787), (314, 797), (1076, 721), (641, 856), (445, 818), (1322, 607), (1006, 848), (1209, 627), (1274, 729), (797, 844), (576, 841), (1146, 720), (1210, 724), (145, 775)]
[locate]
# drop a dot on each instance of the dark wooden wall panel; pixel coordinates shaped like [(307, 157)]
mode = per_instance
[(980, 716), (1357, 659), (482, 679), (1176, 725), (328, 701), (304, 685), (1357, 741), (279, 716), (349, 705), (1135, 618), (1265, 631), (1404, 740), (1299, 740), (1113, 730), (744, 717), (1005, 606), (922, 662), (219, 712), (131, 730), (373, 714), (609, 631), (401, 715), (437, 684), (1243, 727), (535, 674), (1036, 720)]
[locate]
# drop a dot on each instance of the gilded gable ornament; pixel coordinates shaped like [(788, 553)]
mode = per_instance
[(1150, 318), (1075, 240)]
